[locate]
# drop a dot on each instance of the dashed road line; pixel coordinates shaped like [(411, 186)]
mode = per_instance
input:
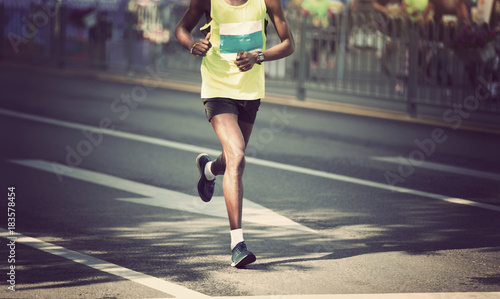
[(252, 160)]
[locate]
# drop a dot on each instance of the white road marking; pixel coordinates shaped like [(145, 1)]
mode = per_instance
[(367, 183), (442, 167), (182, 292), (101, 265), (296, 169), (168, 199), (119, 134), (457, 295)]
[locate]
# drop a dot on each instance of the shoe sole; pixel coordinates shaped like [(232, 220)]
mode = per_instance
[(248, 259), (201, 176)]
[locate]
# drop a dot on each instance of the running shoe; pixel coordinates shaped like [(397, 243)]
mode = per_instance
[(242, 256), (205, 187)]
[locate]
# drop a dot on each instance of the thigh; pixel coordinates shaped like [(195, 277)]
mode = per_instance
[(228, 131), (246, 130)]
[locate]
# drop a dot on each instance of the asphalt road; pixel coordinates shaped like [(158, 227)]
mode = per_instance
[(105, 201)]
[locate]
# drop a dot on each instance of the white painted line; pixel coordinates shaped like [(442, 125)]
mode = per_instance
[(442, 167), (461, 295), (101, 265), (296, 169), (182, 292), (124, 135), (367, 183), (168, 199)]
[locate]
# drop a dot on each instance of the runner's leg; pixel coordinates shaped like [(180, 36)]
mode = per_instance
[(218, 167), (234, 137)]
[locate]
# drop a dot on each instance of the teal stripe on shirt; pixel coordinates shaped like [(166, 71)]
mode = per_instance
[(244, 42)]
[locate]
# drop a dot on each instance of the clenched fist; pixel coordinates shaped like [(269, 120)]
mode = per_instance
[(245, 61), (202, 46)]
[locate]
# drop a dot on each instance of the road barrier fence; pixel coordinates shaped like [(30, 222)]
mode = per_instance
[(363, 54)]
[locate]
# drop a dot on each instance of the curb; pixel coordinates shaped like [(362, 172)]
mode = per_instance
[(309, 103)]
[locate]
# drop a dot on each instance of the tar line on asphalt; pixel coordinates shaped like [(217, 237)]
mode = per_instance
[(282, 166), (101, 265)]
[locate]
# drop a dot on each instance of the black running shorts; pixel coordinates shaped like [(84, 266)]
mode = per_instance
[(246, 110)]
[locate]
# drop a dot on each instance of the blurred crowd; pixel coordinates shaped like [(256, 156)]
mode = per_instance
[(465, 11), (445, 26)]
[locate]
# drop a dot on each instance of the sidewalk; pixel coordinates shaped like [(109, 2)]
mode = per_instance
[(280, 95)]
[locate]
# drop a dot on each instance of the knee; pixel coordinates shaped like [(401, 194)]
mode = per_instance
[(235, 162)]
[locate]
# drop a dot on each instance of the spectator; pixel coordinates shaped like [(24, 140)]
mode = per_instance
[(319, 11), (470, 5), (448, 7), (387, 7), (416, 9)]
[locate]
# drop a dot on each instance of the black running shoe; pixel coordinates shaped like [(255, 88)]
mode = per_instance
[(205, 187), (242, 256)]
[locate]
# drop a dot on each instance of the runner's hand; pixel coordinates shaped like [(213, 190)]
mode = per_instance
[(202, 46), (245, 61)]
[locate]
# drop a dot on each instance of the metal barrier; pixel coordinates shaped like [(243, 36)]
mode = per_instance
[(360, 54), (373, 56)]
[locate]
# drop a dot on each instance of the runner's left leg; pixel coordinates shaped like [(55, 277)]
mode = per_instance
[(234, 136), (218, 167)]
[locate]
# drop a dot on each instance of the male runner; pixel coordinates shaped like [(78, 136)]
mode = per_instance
[(232, 86)]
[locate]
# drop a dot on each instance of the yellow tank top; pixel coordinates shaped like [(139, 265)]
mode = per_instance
[(234, 29)]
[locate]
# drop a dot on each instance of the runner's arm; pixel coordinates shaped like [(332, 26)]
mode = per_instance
[(197, 8), (287, 45)]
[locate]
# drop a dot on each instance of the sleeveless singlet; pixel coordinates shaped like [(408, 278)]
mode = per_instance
[(234, 29)]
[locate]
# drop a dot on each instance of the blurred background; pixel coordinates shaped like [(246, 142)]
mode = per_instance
[(103, 162), (404, 54)]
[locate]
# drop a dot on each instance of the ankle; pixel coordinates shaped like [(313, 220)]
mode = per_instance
[(208, 173), (236, 237)]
